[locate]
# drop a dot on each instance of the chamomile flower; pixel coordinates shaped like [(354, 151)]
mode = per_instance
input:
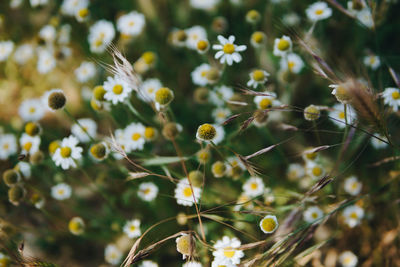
[(131, 24), (70, 7), (352, 186), (192, 264), (309, 155), (391, 97), (132, 228), (258, 39), (84, 130), (220, 95), (146, 62), (204, 4), (163, 96), (112, 254), (148, 263), (282, 46), (31, 110), (348, 259), (184, 193), (292, 62), (254, 187), (147, 191), (218, 169), (378, 144), (54, 99), (365, 17), (48, 33), (227, 248), (185, 245), (23, 53), (46, 61), (134, 137), (340, 92), (235, 167), (148, 89), (244, 201), (372, 61), (199, 74), (117, 90), (220, 114), (82, 14), (194, 35), (338, 116), (314, 170), (99, 151), (24, 169), (206, 132), (202, 46), (68, 153), (76, 226), (228, 51), (318, 11), (312, 113), (61, 191), (353, 215), (100, 36), (6, 47), (85, 72), (8, 145), (203, 155), (257, 77), (29, 144), (269, 224), (295, 171), (311, 214), (266, 101)]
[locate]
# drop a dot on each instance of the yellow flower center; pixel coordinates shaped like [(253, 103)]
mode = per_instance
[(317, 171), (65, 152), (253, 186), (131, 23), (83, 12), (53, 147), (149, 57), (135, 136), (98, 42), (291, 65), (60, 192), (283, 44), (314, 215), (396, 95), (268, 224), (354, 186), (354, 215), (74, 226), (319, 12), (257, 37), (311, 156), (117, 89), (32, 110), (146, 191), (163, 95), (206, 131), (6, 146), (229, 253), (341, 115), (132, 228), (203, 73), (258, 75), (229, 48), (265, 103), (27, 146), (202, 45), (187, 192), (203, 155), (149, 132)]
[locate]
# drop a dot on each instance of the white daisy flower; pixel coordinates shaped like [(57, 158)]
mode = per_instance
[(148, 263), (266, 102), (372, 61), (257, 77), (85, 72), (61, 191), (184, 245), (220, 95), (23, 53), (311, 214), (8, 145), (378, 144), (29, 144), (365, 17), (48, 33), (51, 105), (112, 254), (46, 61), (192, 264), (228, 51), (89, 129), (6, 47), (68, 152), (295, 171), (254, 187), (184, 193), (204, 4), (352, 186), (353, 215), (338, 116), (282, 46), (24, 168), (148, 89), (147, 191), (293, 62), (314, 170), (194, 35), (100, 36), (226, 248), (31, 110), (117, 90), (199, 74), (269, 224), (71, 7), (391, 97), (318, 11), (76, 226), (134, 137), (310, 155), (132, 228), (348, 259), (131, 24), (235, 166), (220, 114)]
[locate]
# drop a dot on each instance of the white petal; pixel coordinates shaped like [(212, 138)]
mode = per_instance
[(217, 47), (219, 54), (222, 40), (240, 48), (231, 39)]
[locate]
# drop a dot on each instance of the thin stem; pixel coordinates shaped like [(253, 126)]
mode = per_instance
[(77, 122), (136, 113)]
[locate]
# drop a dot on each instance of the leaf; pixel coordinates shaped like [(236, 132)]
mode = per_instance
[(162, 160)]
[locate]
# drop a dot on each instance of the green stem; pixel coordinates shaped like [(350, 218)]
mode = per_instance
[(77, 122)]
